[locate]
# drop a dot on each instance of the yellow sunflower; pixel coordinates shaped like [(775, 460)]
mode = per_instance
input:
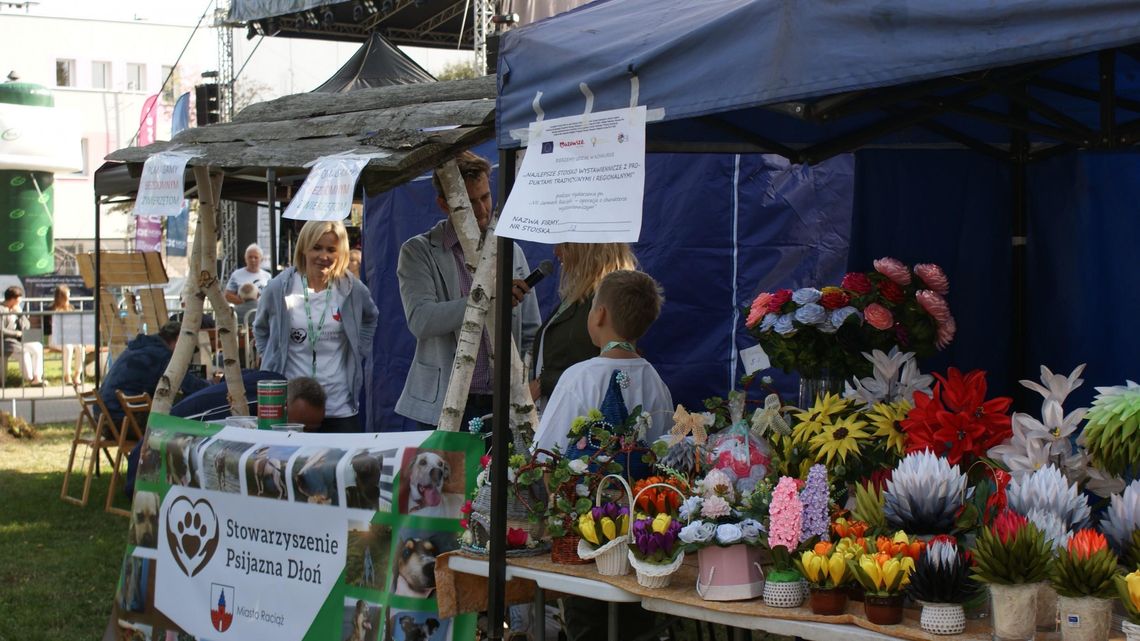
[(810, 422), (885, 417), (839, 439)]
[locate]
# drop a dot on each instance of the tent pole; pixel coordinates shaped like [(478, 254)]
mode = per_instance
[(271, 197), (500, 410), (98, 279)]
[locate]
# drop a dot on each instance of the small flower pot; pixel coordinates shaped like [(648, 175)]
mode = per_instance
[(1131, 631), (783, 594), (1046, 607), (883, 610), (1085, 618), (1014, 611), (730, 573), (828, 601), (612, 557), (655, 575), (943, 618)]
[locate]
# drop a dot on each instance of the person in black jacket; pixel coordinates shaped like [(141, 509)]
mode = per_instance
[(140, 366)]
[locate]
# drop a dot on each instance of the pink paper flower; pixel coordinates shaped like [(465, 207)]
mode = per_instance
[(760, 306), (946, 333), (934, 305), (934, 277), (894, 270), (785, 515), (878, 316), (715, 507)]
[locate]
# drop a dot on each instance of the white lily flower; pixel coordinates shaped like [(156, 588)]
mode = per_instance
[(1102, 483), (1026, 442), (894, 376), (1056, 386)]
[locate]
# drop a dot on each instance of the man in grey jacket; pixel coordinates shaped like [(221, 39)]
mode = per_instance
[(434, 284)]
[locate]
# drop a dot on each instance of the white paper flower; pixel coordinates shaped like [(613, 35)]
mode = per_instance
[(1102, 483), (690, 508), (1122, 516), (895, 376), (924, 494), (581, 490), (750, 530), (697, 532), (578, 466), (1052, 527), (1025, 451), (1047, 489), (1056, 387), (481, 478), (728, 533)]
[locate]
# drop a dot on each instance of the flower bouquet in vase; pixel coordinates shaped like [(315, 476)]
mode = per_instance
[(782, 585), (724, 539), (1013, 558), (827, 573), (604, 529), (1128, 589), (941, 583), (1083, 577)]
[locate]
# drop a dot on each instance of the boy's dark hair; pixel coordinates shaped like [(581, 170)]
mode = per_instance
[(170, 330), (15, 291), (307, 389), (633, 300), (470, 166)]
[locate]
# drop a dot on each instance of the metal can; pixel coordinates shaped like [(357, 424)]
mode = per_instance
[(270, 403)]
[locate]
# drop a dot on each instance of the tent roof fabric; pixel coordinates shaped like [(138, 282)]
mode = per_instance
[(420, 126), (377, 63), (696, 59)]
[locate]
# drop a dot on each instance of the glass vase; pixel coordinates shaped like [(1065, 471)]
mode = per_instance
[(814, 387)]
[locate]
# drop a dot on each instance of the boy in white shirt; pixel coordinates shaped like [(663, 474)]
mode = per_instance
[(625, 305)]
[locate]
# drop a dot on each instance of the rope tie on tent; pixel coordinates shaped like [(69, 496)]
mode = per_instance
[(634, 90), (585, 89)]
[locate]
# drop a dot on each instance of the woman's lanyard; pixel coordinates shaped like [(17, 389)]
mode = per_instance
[(315, 336), (626, 345)]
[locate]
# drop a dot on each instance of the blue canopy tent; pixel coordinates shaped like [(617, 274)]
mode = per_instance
[(995, 140)]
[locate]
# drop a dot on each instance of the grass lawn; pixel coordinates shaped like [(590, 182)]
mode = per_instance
[(60, 562)]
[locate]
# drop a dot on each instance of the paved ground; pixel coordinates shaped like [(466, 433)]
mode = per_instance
[(53, 404)]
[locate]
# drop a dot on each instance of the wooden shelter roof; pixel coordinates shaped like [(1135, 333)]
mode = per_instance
[(420, 126)]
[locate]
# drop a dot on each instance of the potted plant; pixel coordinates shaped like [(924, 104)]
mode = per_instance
[(724, 538), (1128, 589), (1013, 558), (655, 551), (825, 568), (1110, 429), (883, 577), (941, 583), (1082, 575), (604, 529), (924, 494), (782, 587)]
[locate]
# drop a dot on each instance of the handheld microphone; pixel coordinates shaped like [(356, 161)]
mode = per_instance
[(543, 270)]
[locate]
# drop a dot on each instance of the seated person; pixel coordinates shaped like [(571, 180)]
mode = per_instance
[(305, 403), (625, 305), (212, 403), (30, 353), (140, 366), (248, 293), (252, 273)]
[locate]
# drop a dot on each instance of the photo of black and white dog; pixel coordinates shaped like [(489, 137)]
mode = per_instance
[(407, 625)]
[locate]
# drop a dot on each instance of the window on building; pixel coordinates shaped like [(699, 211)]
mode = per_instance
[(136, 76), (64, 72), (100, 75), (170, 88), (86, 167)]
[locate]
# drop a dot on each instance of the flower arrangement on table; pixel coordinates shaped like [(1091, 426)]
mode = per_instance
[(656, 551), (811, 330), (941, 582), (1082, 574), (883, 577), (1111, 428), (620, 447), (955, 420), (825, 568), (526, 504), (604, 523), (713, 516), (785, 531), (1013, 558)]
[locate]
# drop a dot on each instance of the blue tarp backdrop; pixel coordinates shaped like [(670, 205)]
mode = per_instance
[(719, 229)]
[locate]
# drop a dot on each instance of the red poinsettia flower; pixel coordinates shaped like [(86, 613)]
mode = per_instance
[(956, 421), (516, 537), (960, 436)]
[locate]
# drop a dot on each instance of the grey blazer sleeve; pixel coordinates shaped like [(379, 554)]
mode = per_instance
[(427, 316), (369, 317), (531, 317), (261, 318)]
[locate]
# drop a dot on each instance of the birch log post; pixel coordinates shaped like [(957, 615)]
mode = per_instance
[(460, 212), (192, 300), (211, 287)]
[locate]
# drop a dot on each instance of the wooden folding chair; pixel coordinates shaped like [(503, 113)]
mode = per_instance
[(130, 433), (96, 435)]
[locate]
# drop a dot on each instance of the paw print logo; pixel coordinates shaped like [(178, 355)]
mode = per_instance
[(192, 533), (298, 336)]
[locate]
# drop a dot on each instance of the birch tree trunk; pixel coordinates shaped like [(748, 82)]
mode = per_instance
[(226, 321), (192, 299), (460, 212)]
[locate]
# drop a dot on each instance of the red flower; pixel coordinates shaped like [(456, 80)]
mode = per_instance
[(1008, 525), (463, 523), (466, 509), (1085, 543), (779, 299), (516, 537), (484, 460), (891, 291), (834, 298), (857, 282), (957, 422), (959, 435), (998, 500), (879, 478)]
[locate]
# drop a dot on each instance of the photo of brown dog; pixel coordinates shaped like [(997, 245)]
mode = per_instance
[(414, 561), (143, 530), (363, 621)]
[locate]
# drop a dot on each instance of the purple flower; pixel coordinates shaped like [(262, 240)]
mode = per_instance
[(815, 500)]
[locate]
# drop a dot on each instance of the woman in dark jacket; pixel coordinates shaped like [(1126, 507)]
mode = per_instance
[(563, 339)]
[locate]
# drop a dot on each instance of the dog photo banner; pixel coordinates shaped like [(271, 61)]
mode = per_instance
[(244, 534)]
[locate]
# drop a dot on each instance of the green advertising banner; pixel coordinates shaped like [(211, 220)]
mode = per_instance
[(257, 534)]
